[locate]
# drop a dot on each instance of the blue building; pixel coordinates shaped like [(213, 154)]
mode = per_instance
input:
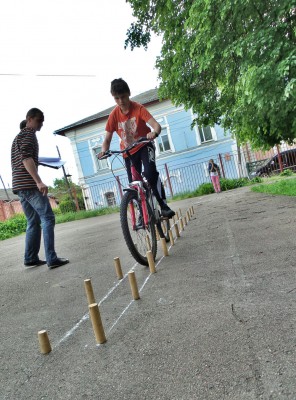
[(182, 152)]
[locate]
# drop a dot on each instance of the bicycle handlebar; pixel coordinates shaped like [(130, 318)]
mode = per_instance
[(109, 153)]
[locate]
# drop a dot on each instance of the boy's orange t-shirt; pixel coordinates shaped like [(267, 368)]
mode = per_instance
[(129, 127)]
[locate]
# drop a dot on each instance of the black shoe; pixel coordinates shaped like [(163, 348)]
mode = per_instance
[(58, 263), (35, 263), (166, 212)]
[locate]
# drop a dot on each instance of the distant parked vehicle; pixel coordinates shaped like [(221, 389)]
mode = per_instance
[(272, 166)]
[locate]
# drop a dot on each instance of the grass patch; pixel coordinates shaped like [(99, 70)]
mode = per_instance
[(226, 184), (284, 187), (75, 216), (17, 224)]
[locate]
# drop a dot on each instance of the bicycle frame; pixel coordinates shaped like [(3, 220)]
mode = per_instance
[(137, 184)]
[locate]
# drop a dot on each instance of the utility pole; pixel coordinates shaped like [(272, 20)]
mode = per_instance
[(66, 177), (7, 195)]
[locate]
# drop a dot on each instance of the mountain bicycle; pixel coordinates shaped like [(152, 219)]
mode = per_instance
[(140, 213)]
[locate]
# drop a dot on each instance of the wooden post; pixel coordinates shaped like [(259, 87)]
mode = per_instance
[(177, 215), (177, 230), (168, 179), (164, 247), (96, 321), (119, 186), (118, 268), (188, 216), (222, 166), (151, 262), (157, 233), (75, 197), (192, 210), (171, 237), (181, 224), (44, 344), (148, 243), (89, 291), (133, 285), (180, 212)]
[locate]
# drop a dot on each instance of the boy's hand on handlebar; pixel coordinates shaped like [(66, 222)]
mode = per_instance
[(102, 155), (152, 135)]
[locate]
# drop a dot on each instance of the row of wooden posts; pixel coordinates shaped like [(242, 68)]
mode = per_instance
[(179, 223)]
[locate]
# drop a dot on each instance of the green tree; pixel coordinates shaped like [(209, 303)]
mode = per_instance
[(232, 62), (61, 190)]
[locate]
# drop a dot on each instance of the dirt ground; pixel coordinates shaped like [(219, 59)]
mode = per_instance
[(217, 320)]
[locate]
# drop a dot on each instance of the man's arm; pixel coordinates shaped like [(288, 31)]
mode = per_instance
[(156, 128), (30, 166)]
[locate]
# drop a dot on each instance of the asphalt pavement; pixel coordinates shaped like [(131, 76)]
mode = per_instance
[(217, 320)]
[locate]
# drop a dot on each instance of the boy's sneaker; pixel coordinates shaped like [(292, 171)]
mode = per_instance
[(58, 263), (166, 212), (34, 263)]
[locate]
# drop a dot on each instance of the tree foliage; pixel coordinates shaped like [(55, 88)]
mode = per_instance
[(232, 62), (65, 197)]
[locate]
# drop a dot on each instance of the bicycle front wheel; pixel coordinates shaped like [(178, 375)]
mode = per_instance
[(138, 237)]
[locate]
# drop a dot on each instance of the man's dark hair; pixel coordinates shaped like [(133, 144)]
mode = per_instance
[(23, 124), (34, 112), (119, 86)]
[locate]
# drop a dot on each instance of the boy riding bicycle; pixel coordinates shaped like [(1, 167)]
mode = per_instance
[(129, 120)]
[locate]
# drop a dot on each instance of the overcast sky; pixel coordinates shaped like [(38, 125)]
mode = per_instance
[(64, 37)]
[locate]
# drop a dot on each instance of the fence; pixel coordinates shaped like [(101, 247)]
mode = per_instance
[(9, 208), (177, 178)]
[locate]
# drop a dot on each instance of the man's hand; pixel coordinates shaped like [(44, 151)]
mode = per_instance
[(152, 135), (42, 188), (100, 155)]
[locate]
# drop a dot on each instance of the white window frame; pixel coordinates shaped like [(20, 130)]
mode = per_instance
[(100, 164), (213, 132), (198, 138), (164, 125)]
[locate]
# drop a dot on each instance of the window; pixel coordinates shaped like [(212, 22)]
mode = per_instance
[(102, 164), (163, 143), (205, 133), (110, 197)]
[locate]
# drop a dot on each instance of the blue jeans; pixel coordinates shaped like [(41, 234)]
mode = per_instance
[(38, 212)]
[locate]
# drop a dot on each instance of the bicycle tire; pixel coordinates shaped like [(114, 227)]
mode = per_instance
[(136, 238)]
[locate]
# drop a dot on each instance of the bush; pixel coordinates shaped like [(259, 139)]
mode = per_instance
[(67, 206), (13, 226), (256, 179), (228, 184), (287, 172), (205, 188)]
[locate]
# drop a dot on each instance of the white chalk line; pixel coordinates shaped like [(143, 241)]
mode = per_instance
[(86, 316)]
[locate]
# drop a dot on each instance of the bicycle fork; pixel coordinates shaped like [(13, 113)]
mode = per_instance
[(141, 194)]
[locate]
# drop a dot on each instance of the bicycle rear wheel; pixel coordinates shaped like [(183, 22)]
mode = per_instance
[(137, 236)]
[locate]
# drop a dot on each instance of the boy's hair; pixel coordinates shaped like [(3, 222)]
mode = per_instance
[(119, 86), (34, 112), (23, 124)]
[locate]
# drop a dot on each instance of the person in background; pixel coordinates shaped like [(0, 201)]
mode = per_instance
[(27, 184), (23, 124), (130, 121), (214, 172)]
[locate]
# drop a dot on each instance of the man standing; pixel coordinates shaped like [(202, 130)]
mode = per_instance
[(27, 184)]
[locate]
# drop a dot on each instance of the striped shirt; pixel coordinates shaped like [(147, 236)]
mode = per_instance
[(25, 145)]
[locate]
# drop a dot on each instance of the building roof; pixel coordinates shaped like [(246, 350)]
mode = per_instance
[(145, 98), (11, 196)]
